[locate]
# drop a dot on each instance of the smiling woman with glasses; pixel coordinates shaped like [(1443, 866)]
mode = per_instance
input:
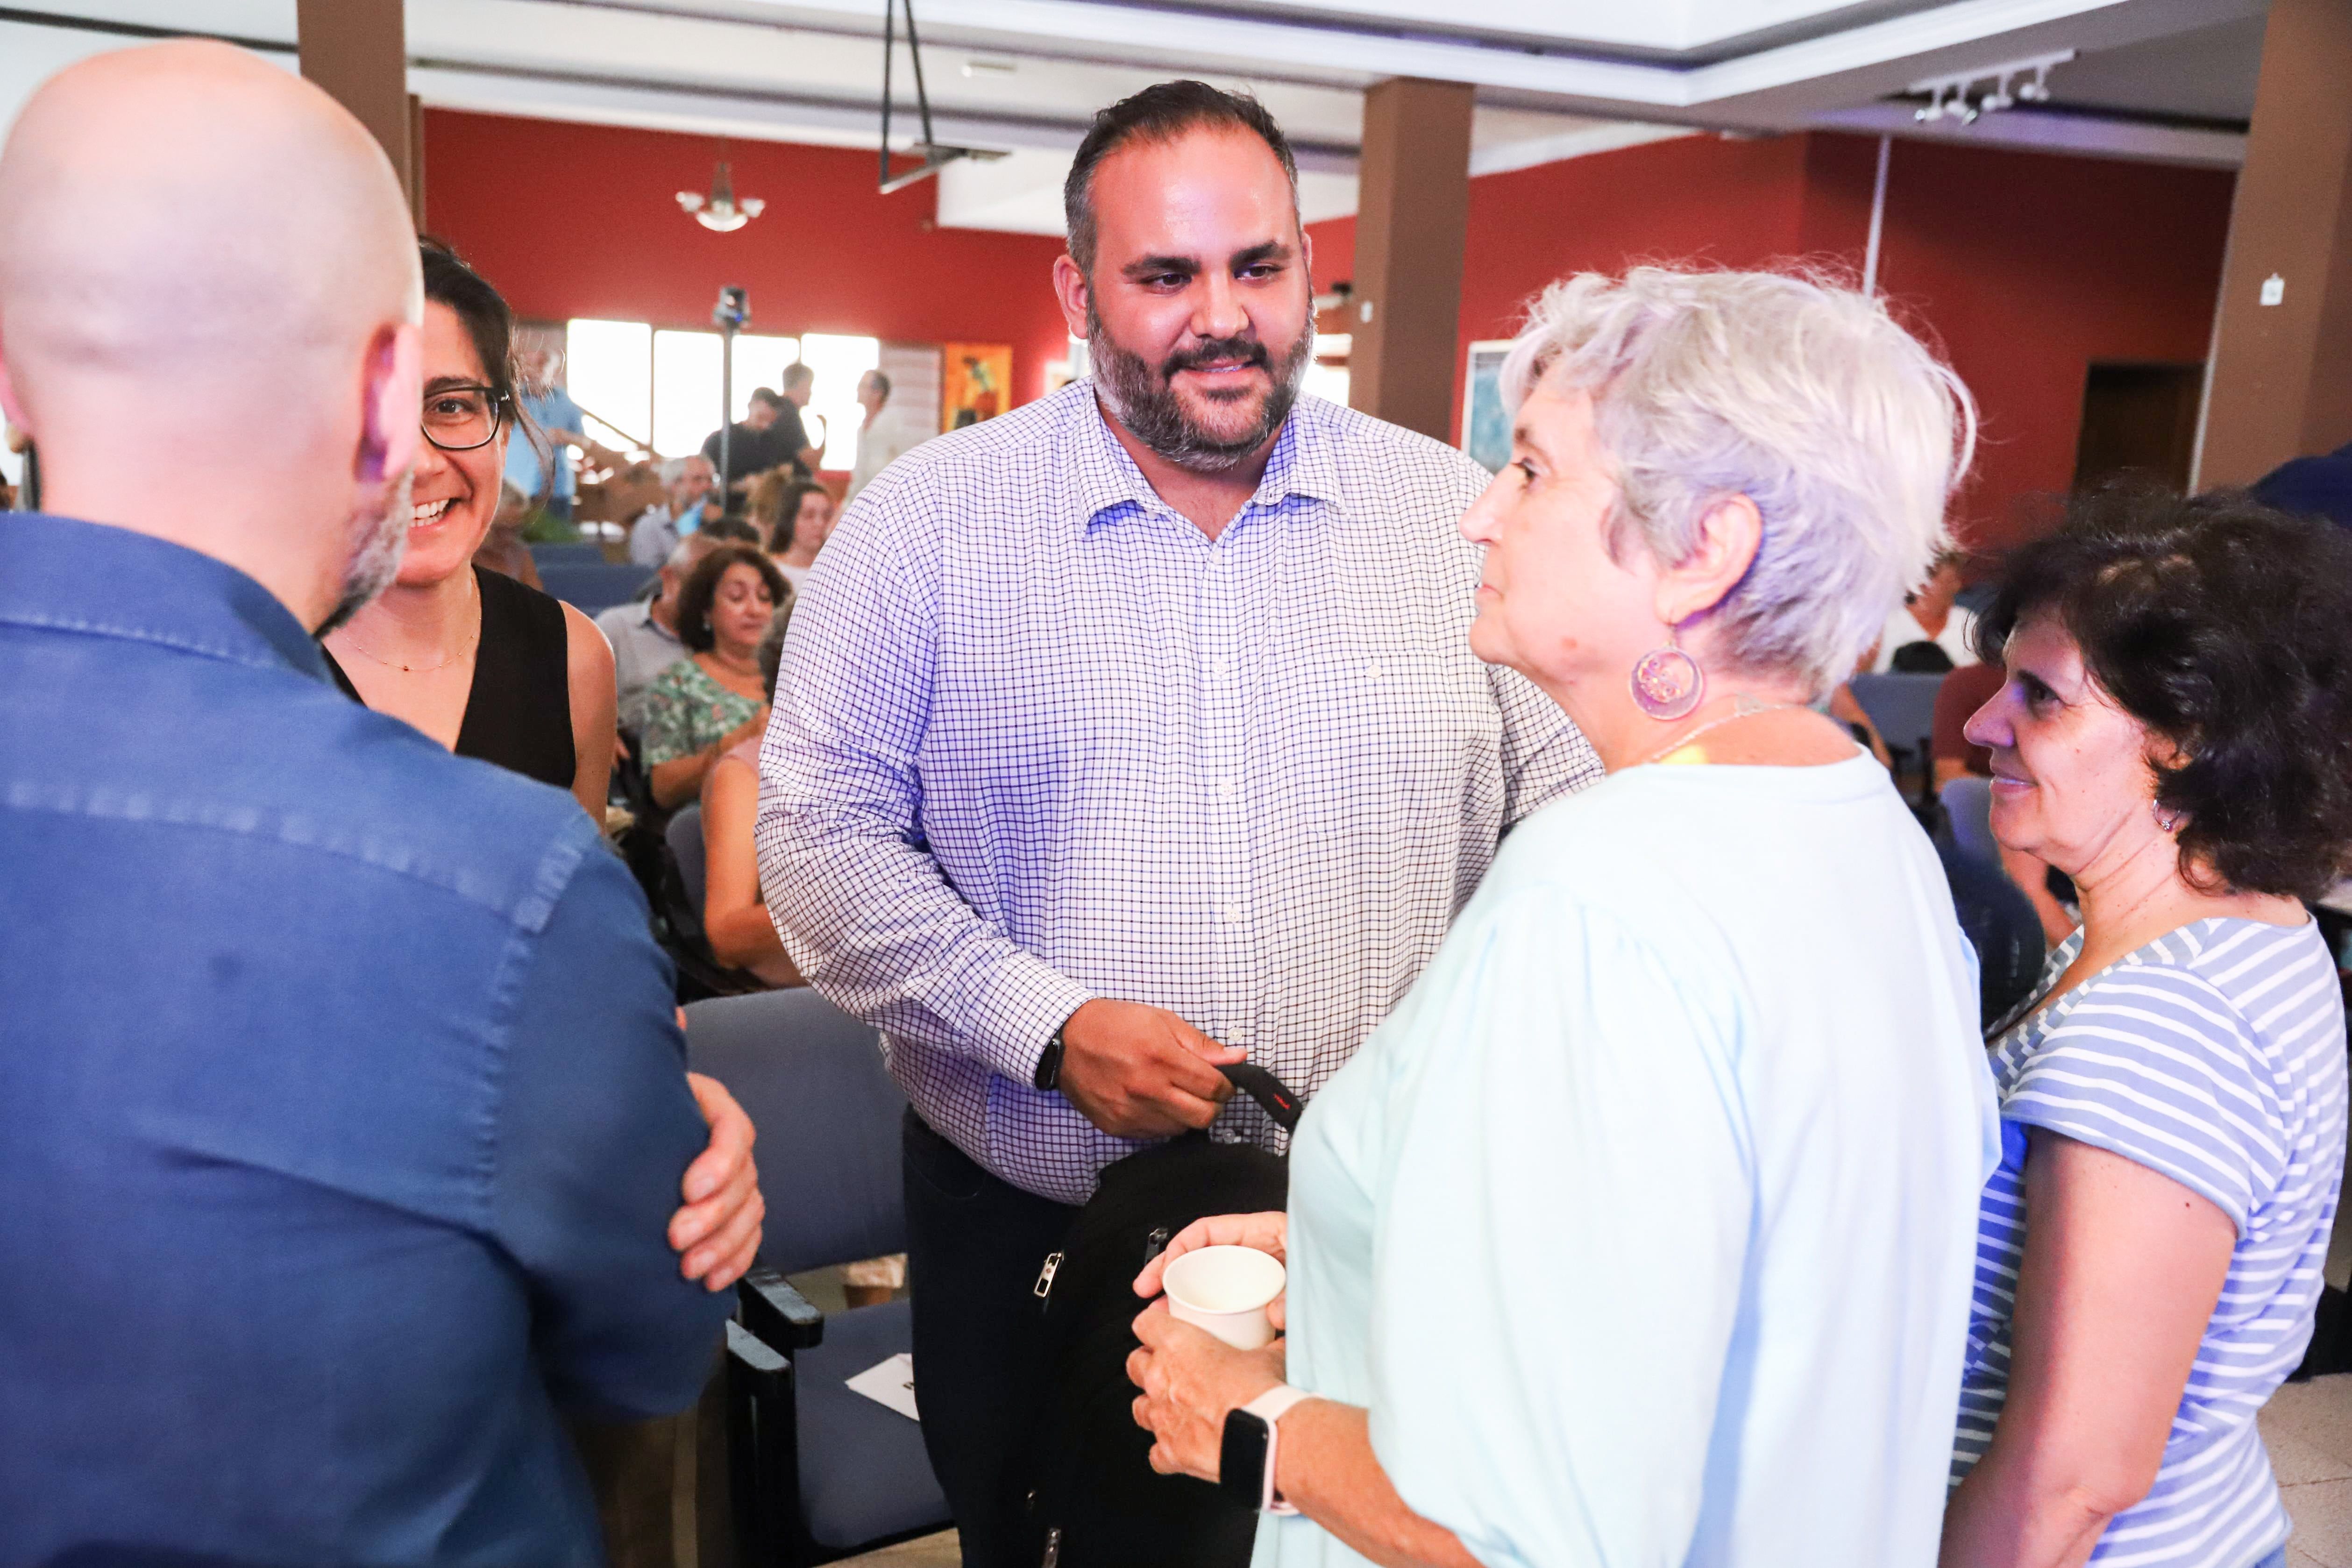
[(483, 665)]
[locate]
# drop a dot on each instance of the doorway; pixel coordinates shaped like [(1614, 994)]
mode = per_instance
[(2141, 419)]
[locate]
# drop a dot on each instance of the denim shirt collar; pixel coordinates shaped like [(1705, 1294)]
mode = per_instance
[(61, 574), (1105, 476)]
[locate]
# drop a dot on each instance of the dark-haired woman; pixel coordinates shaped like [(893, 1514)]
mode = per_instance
[(2174, 735), (798, 517), (483, 665), (701, 707)]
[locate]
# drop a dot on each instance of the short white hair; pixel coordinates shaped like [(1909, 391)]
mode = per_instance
[(675, 469), (1846, 432)]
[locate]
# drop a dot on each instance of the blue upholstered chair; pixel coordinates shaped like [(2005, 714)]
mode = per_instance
[(819, 1471), (567, 555), (593, 587)]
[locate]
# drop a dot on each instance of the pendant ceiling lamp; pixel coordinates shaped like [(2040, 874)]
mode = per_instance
[(721, 210)]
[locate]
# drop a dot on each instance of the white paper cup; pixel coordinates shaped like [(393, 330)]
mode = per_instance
[(1226, 1289)]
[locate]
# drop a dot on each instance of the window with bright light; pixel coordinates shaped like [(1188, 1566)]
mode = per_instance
[(839, 362), (664, 385), (607, 367)]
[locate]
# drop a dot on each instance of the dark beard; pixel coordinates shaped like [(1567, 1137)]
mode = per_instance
[(377, 544), (1143, 396)]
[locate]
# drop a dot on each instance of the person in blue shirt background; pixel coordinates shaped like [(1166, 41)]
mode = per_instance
[(564, 424), (342, 1109)]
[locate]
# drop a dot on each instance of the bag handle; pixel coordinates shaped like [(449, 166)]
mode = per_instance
[(1273, 1097)]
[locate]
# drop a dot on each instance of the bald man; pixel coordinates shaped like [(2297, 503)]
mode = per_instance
[(342, 1111)]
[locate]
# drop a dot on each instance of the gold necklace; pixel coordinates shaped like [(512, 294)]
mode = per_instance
[(1742, 706), (420, 669)]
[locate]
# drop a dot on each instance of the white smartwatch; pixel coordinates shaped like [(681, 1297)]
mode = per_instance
[(1246, 1456)]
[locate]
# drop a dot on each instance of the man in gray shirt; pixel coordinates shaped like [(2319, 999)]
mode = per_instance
[(643, 632)]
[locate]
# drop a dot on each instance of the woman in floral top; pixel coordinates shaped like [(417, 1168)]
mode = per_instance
[(702, 706)]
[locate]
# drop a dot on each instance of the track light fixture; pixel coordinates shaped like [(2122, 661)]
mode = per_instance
[(1948, 97)]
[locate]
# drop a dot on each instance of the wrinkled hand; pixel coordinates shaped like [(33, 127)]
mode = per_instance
[(1265, 1233), (1138, 1072), (1192, 1380), (718, 1231)]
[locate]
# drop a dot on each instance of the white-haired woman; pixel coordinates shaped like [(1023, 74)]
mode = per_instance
[(1641, 1231)]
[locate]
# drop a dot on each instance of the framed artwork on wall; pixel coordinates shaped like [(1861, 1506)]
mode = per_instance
[(1485, 427), (975, 382)]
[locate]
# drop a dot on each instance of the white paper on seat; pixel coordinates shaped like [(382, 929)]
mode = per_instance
[(892, 1382)]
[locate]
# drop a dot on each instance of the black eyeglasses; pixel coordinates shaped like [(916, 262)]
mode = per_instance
[(461, 418)]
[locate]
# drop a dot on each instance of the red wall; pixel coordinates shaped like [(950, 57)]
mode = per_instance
[(583, 220), (2022, 266)]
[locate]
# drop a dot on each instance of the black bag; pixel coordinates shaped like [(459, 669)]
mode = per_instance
[(1084, 1494)]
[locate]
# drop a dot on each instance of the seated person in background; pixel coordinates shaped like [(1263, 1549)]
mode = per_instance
[(690, 504), (706, 703), (644, 631), (502, 548), (734, 912), (1929, 615), (343, 1164), (2175, 734), (1639, 1232), (484, 666), (799, 517)]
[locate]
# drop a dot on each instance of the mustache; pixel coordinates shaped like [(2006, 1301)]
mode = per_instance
[(1208, 351)]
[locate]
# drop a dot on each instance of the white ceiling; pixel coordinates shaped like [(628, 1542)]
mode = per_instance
[(1556, 78)]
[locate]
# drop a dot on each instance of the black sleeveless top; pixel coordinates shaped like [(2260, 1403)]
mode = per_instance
[(519, 709)]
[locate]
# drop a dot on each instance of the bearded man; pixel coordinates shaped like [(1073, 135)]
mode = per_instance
[(1130, 734)]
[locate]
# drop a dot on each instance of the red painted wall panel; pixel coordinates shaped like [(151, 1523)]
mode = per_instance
[(2023, 266), (583, 220)]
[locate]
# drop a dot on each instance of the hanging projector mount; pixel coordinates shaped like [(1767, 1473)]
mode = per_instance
[(935, 154)]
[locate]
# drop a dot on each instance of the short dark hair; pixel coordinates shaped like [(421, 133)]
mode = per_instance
[(732, 528), (695, 599), (881, 380), (797, 374), (767, 395), (2224, 627), (1160, 113), (488, 321)]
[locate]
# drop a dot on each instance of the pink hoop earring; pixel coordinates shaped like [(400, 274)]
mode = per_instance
[(1667, 682)]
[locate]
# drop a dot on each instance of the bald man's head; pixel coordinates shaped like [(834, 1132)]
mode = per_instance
[(200, 247)]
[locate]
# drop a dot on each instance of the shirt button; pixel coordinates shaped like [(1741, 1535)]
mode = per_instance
[(1231, 914), (1226, 786), (1217, 668), (1372, 672)]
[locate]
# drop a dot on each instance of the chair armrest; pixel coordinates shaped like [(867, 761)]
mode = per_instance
[(776, 1314)]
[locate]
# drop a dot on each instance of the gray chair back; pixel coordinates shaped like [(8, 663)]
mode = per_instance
[(685, 834), (812, 1080), (1967, 806), (1903, 707), (594, 587)]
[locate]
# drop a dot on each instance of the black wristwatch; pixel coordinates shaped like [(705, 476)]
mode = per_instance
[(1049, 1065), (1246, 1456)]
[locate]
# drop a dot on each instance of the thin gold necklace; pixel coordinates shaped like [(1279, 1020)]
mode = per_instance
[(415, 669), (1742, 706)]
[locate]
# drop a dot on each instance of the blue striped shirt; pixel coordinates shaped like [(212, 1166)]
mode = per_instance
[(2214, 1055)]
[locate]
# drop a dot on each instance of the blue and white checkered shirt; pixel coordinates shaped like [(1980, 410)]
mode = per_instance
[(1037, 739)]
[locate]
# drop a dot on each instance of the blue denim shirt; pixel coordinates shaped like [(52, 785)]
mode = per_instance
[(341, 1105)]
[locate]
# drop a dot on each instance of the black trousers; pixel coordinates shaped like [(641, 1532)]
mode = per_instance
[(974, 1245)]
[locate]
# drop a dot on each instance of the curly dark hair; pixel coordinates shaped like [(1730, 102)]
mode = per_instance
[(695, 599), (2225, 628)]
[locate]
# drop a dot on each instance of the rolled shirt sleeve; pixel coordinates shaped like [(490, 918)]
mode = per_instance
[(596, 1127), (1565, 1224)]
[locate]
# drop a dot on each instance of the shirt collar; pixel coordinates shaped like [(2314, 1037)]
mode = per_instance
[(1303, 462), (64, 575)]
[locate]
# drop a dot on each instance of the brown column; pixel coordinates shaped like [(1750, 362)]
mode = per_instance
[(1412, 211), (358, 51), (2280, 385)]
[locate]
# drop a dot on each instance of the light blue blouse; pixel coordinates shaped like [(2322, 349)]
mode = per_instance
[(1644, 1227)]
